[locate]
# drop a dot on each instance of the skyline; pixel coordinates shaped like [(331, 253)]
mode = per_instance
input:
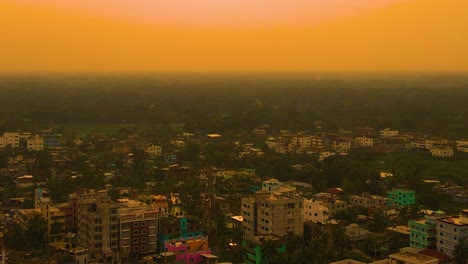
[(372, 36)]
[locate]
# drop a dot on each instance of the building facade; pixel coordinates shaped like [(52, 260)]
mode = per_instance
[(400, 197), (277, 212), (450, 230)]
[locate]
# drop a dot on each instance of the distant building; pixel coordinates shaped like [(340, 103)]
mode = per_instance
[(400, 197), (11, 139), (51, 140), (367, 200), (388, 133), (364, 142), (153, 150), (442, 152), (35, 144)]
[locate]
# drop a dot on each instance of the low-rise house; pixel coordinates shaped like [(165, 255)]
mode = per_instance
[(366, 200)]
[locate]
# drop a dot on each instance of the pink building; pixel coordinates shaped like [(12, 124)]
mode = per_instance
[(189, 250)]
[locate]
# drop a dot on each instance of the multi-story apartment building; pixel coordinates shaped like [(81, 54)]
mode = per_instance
[(315, 212), (11, 139), (98, 225), (450, 230), (423, 231), (364, 142), (400, 197), (388, 133), (366, 200), (51, 140), (273, 212), (331, 202), (138, 229), (35, 144)]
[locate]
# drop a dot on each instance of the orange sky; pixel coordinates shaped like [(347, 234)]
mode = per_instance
[(242, 35)]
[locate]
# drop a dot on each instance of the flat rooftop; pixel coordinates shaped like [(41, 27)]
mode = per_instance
[(411, 257)]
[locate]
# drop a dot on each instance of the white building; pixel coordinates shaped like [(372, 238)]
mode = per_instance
[(153, 150), (431, 143), (450, 230), (442, 152), (314, 211), (365, 142), (388, 133), (325, 154), (35, 144), (2, 142), (462, 145)]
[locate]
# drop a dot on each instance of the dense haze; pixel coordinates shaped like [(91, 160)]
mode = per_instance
[(433, 104)]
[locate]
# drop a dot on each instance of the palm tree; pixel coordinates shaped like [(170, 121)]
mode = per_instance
[(460, 254), (269, 251)]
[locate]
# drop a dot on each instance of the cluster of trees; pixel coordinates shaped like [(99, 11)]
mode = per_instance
[(222, 103)]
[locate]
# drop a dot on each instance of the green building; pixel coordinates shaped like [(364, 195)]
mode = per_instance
[(400, 197), (423, 231), (252, 247)]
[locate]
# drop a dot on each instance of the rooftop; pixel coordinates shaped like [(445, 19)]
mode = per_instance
[(411, 257)]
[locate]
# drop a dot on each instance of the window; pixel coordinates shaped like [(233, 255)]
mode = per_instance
[(135, 248), (143, 247), (135, 224), (143, 223), (135, 240), (143, 231), (135, 232), (143, 239)]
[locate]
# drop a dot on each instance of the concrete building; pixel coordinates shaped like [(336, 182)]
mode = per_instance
[(153, 150), (188, 250), (274, 212), (366, 200), (388, 133), (11, 139), (450, 230), (364, 142), (404, 257), (423, 231), (400, 197), (51, 140), (315, 212), (137, 229), (442, 152), (98, 225), (35, 144)]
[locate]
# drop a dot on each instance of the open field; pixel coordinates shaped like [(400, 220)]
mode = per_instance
[(422, 163)]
